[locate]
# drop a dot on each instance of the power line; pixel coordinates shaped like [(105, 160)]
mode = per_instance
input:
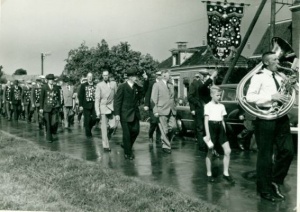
[(159, 29)]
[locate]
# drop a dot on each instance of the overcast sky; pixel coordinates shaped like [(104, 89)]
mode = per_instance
[(29, 27)]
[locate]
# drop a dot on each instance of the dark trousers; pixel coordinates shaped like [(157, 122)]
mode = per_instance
[(130, 133), (17, 108), (154, 127), (89, 120), (269, 133), (28, 112), (51, 123), (199, 126)]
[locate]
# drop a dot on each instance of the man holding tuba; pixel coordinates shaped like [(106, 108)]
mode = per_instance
[(263, 91)]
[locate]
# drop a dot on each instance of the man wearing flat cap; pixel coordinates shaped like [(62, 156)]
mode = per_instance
[(126, 110), (86, 97), (26, 101), (49, 106), (35, 102), (149, 107), (15, 97), (198, 96)]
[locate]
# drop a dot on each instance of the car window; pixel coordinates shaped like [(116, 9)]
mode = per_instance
[(228, 95)]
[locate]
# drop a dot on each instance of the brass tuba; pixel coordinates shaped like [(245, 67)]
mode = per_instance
[(286, 56)]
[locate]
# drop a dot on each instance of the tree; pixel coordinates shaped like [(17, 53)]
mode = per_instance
[(20, 71), (116, 60)]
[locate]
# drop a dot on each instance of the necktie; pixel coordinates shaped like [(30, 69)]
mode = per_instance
[(275, 80)]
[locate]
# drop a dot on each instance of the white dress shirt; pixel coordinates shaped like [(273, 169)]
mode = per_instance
[(262, 87)]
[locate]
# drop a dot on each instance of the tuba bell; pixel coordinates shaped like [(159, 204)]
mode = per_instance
[(289, 65)]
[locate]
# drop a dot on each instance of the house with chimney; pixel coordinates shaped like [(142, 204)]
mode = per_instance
[(185, 62)]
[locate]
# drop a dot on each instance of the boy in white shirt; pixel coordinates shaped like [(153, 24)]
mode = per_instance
[(215, 131)]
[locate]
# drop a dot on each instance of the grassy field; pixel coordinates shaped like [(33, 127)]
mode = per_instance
[(35, 179)]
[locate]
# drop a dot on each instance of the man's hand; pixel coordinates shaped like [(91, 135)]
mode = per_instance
[(280, 98), (156, 114), (81, 108), (117, 118), (146, 108), (241, 117), (33, 106), (41, 111), (193, 112)]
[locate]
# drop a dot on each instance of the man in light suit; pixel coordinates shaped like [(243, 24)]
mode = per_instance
[(68, 101), (164, 108), (104, 106)]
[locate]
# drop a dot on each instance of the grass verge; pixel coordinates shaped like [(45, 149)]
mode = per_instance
[(36, 179)]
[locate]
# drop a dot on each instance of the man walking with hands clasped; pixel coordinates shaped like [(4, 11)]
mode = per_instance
[(104, 106)]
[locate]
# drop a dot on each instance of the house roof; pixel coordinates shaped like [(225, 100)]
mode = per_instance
[(283, 29), (202, 57)]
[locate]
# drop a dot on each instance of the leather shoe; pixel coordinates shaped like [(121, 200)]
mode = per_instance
[(277, 192), (107, 149), (210, 179), (128, 157), (269, 197), (165, 150), (229, 179)]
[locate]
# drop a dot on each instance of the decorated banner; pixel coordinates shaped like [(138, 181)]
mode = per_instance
[(224, 22)]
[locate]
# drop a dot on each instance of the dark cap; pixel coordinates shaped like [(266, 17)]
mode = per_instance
[(50, 77), (131, 72)]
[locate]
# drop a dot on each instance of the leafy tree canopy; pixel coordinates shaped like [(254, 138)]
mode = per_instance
[(116, 60), (20, 71)]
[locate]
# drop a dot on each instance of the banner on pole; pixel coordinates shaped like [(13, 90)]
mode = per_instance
[(224, 23)]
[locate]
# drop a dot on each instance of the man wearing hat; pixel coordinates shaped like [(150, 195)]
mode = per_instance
[(7, 100), (35, 102), (86, 97), (68, 101), (126, 110), (149, 107), (49, 105), (16, 98), (198, 96), (104, 105), (26, 101)]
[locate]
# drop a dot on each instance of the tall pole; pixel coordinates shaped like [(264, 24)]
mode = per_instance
[(272, 22), (42, 62), (248, 33)]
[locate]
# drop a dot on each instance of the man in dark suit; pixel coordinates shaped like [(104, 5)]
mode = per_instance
[(86, 97), (127, 111), (198, 96), (149, 107), (49, 106), (16, 92), (35, 102), (26, 102)]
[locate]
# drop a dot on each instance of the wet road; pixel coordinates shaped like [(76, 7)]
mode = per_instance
[(184, 169)]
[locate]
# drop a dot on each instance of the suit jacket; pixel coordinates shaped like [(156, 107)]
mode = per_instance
[(204, 91), (16, 94), (67, 95), (50, 98), (104, 97), (148, 101), (35, 95), (26, 93), (126, 102), (163, 98), (193, 95), (6, 94), (86, 95)]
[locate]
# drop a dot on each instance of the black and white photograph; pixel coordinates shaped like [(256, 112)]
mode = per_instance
[(149, 105)]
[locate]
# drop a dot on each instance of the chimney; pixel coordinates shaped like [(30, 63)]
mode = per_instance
[(181, 45)]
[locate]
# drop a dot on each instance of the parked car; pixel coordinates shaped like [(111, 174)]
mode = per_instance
[(185, 122)]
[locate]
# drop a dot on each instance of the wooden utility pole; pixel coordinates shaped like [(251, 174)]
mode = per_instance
[(248, 33), (272, 22)]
